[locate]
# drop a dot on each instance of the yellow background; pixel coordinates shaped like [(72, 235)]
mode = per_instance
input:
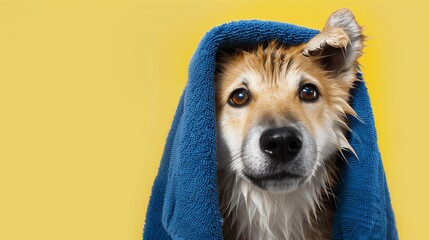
[(88, 90)]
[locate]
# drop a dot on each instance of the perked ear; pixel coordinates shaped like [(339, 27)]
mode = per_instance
[(339, 45)]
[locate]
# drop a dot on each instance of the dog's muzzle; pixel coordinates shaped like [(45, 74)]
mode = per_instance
[(279, 158)]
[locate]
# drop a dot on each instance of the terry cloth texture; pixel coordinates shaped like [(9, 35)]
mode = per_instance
[(184, 202)]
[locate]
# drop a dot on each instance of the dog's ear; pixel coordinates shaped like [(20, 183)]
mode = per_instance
[(339, 45)]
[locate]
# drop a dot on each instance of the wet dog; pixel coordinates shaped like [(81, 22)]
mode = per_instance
[(281, 124)]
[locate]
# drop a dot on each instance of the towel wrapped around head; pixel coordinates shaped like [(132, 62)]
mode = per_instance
[(185, 201)]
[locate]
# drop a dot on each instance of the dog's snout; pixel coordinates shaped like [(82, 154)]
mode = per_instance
[(281, 144)]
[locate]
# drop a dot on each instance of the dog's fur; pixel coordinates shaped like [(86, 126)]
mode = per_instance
[(273, 74)]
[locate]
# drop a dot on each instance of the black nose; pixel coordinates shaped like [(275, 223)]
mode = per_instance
[(281, 144)]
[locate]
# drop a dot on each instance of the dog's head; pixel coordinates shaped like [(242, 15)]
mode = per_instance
[(281, 110)]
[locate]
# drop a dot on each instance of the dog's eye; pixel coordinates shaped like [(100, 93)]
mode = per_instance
[(308, 93), (239, 98)]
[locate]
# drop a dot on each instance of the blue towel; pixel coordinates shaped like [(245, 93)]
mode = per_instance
[(184, 202)]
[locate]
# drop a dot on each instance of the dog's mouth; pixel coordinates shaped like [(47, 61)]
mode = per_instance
[(280, 181), (278, 158), (272, 177)]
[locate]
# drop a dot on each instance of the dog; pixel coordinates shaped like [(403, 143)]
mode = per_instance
[(281, 129)]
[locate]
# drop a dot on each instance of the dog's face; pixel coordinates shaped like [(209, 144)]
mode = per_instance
[(281, 109)]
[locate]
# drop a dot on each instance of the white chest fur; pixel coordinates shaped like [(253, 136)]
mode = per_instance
[(252, 213)]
